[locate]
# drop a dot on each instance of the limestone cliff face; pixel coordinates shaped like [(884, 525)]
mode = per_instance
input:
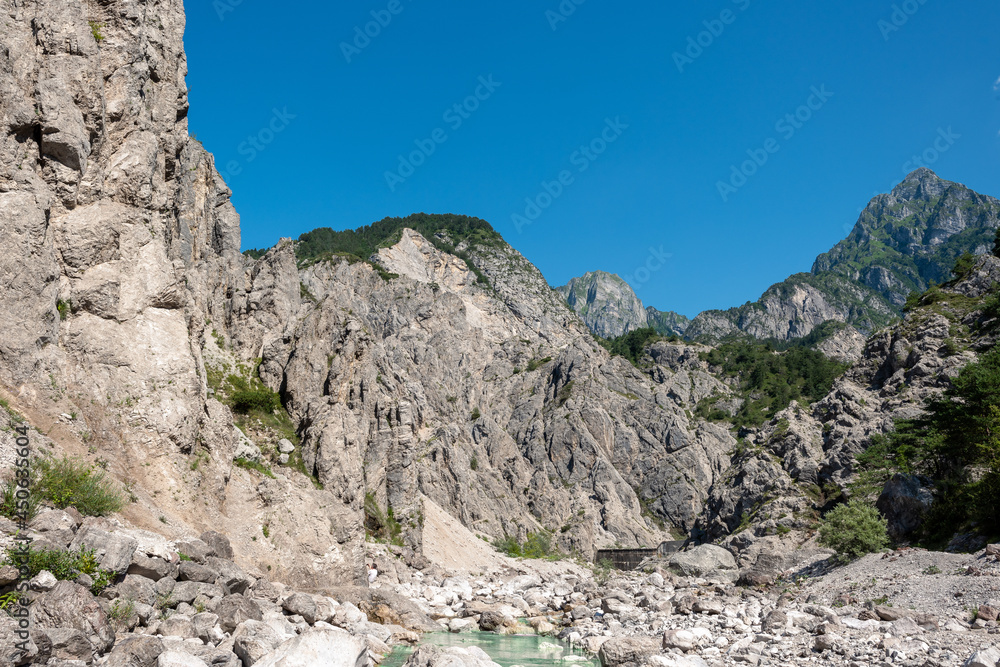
[(119, 252), (606, 303)]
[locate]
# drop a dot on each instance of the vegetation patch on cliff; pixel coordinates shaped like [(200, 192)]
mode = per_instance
[(957, 444), (766, 380), (447, 232)]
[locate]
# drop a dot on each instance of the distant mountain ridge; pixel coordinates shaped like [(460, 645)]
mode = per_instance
[(903, 241)]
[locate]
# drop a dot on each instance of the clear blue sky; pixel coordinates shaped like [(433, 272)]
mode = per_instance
[(898, 84)]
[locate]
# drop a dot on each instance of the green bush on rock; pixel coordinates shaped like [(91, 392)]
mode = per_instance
[(853, 530)]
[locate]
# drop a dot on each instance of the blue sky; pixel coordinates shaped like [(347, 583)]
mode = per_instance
[(722, 145)]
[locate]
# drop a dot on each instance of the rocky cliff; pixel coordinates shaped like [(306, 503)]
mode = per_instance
[(119, 255), (667, 323)]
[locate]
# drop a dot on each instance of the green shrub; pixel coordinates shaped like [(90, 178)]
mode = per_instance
[(632, 344), (8, 502), (534, 364), (69, 482), (954, 443), (251, 400), (536, 545), (476, 414), (121, 611), (64, 565), (853, 530), (768, 379), (95, 30), (381, 526), (964, 265)]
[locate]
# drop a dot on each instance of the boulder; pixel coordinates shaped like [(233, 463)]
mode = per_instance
[(987, 612), (452, 656), (253, 640), (179, 659), (69, 644), (461, 625), (56, 526), (151, 567), (285, 447), (890, 613), (713, 606), (135, 651), (187, 591), (177, 626), (36, 650), (330, 647), (8, 575), (218, 543), (191, 571), (194, 549), (522, 583), (203, 624), (231, 577), (621, 650), (114, 552), (987, 657), (69, 605), (302, 605), (828, 642), (43, 581), (684, 640), (137, 589), (905, 627), (493, 621), (235, 609), (701, 560), (904, 501), (774, 622)]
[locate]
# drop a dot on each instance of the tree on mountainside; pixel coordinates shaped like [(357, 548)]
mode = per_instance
[(956, 443)]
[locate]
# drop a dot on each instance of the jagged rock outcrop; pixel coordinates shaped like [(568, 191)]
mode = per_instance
[(605, 302), (120, 253)]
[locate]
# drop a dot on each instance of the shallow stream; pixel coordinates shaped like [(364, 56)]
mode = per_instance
[(506, 650)]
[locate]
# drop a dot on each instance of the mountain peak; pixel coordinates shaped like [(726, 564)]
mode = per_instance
[(605, 302)]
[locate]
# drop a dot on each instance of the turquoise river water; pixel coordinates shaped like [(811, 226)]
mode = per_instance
[(506, 650)]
